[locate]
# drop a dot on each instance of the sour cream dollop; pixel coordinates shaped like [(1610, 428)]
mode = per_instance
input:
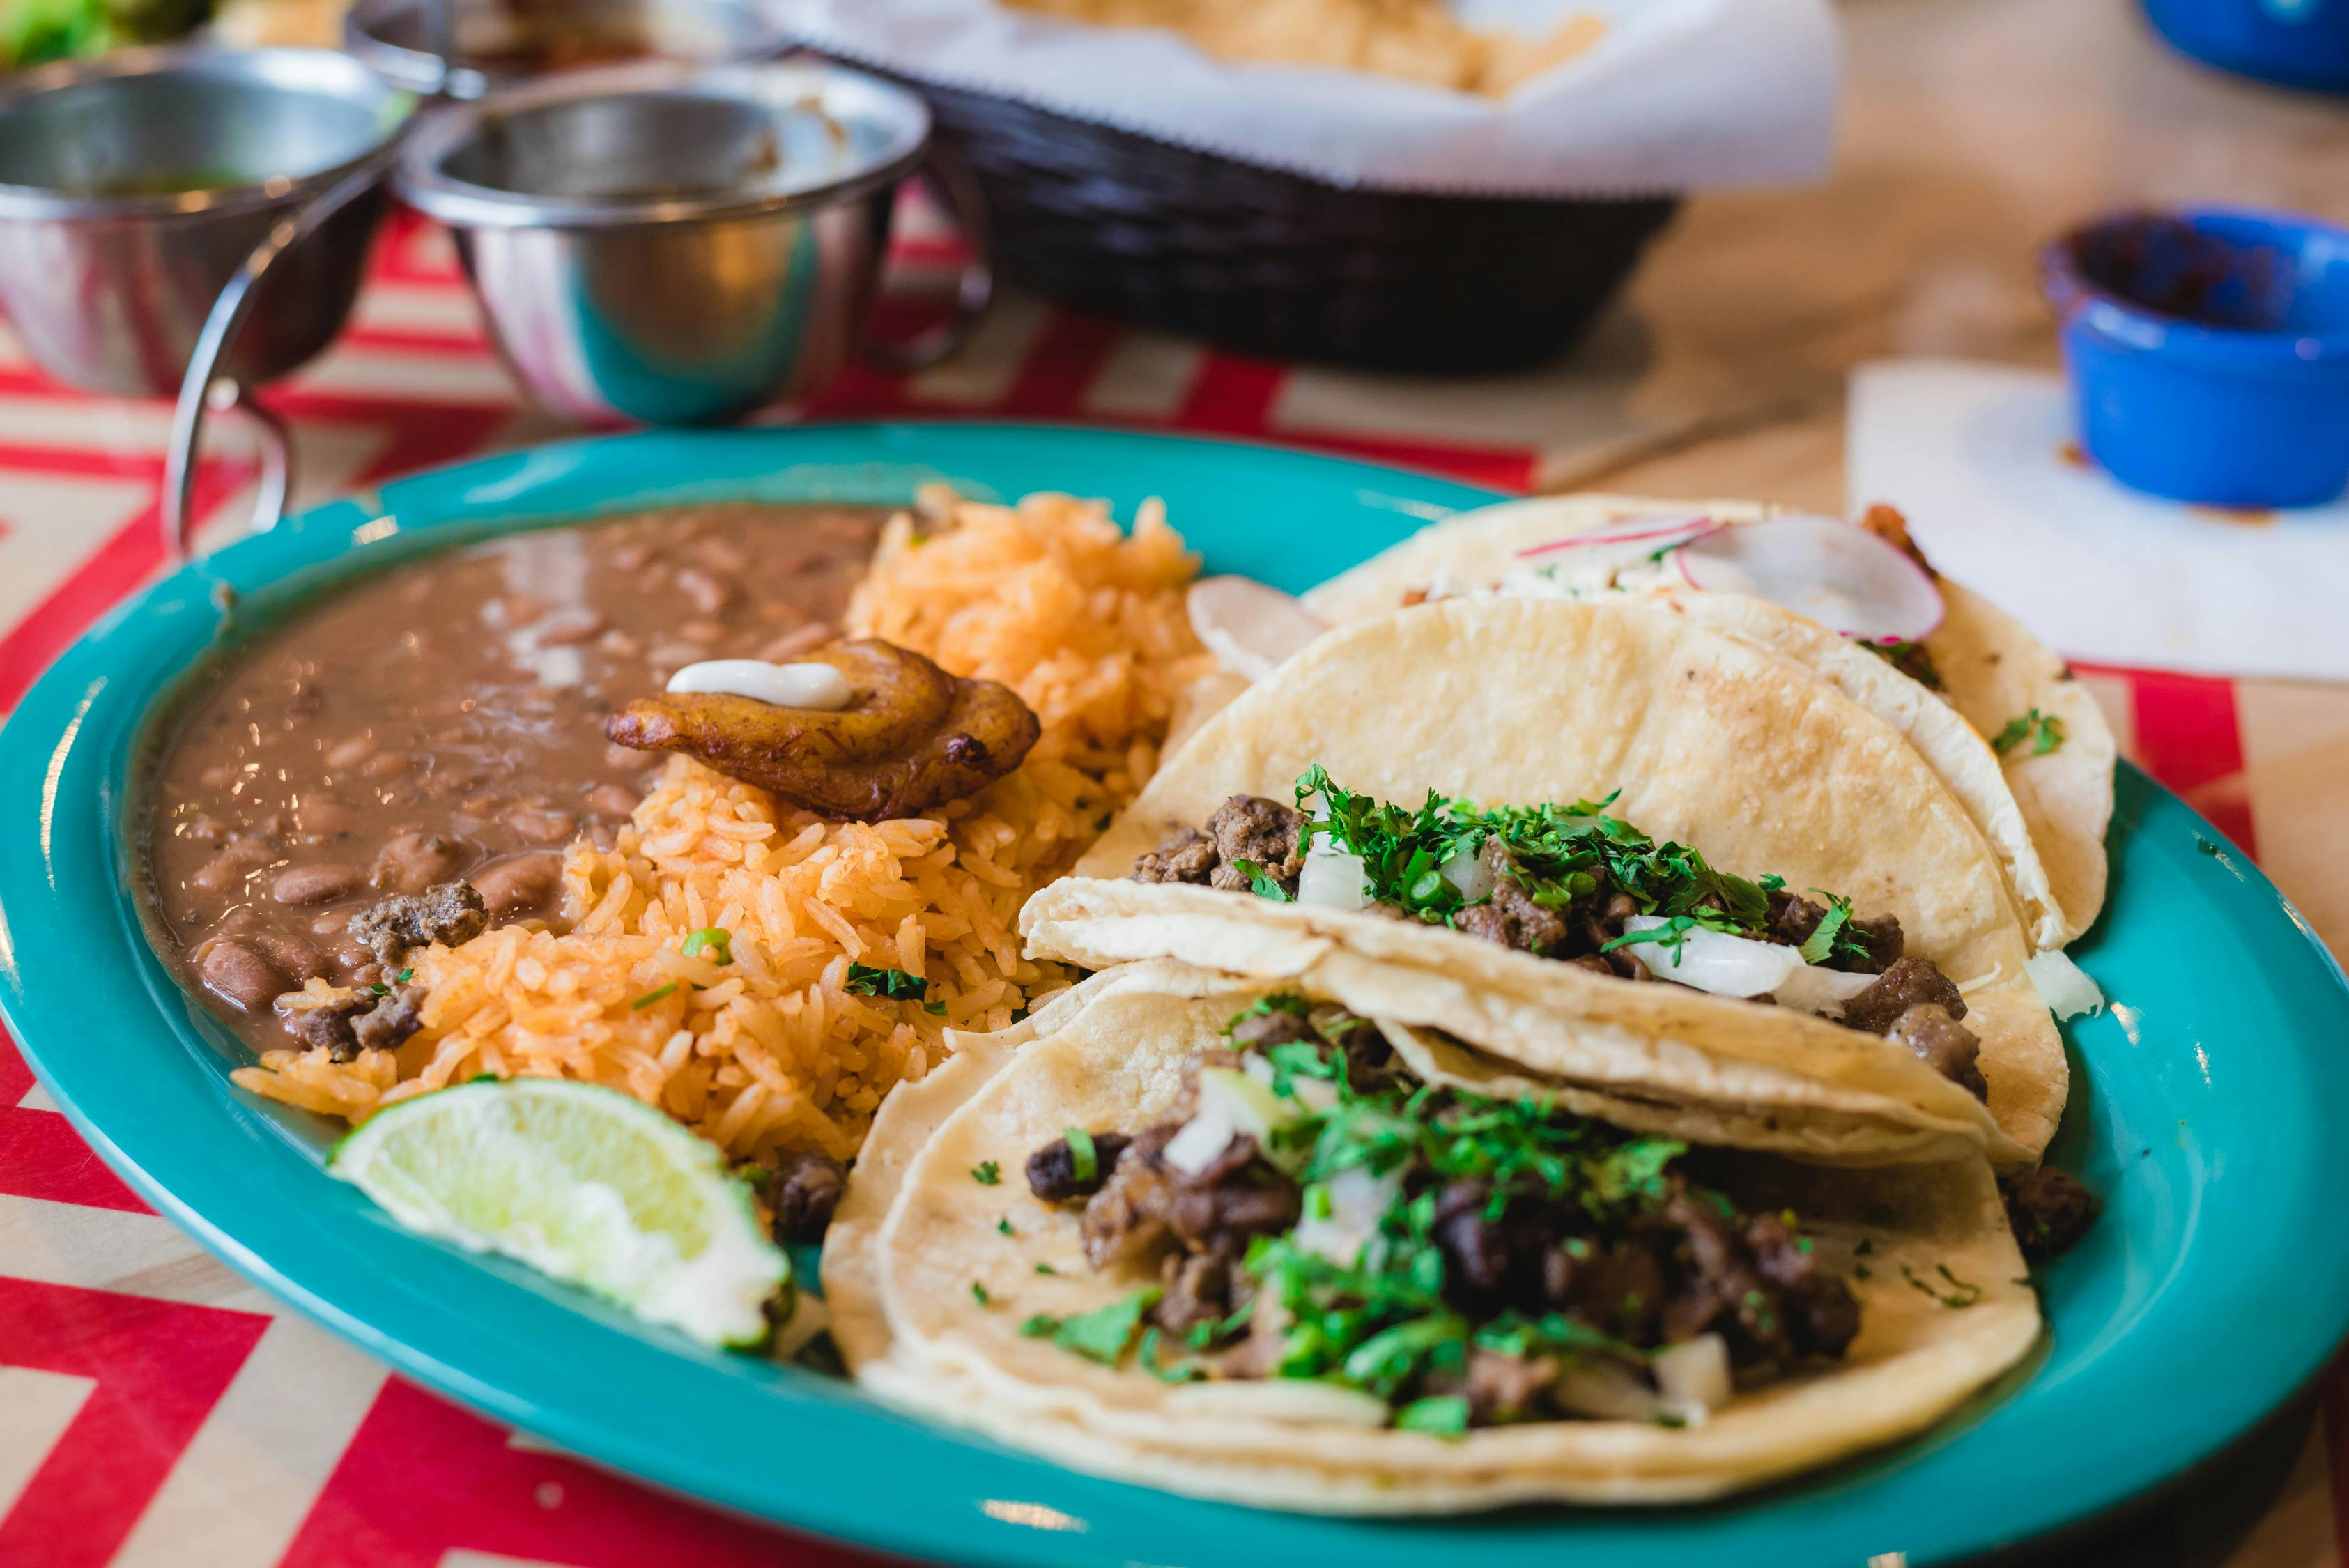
[(816, 686)]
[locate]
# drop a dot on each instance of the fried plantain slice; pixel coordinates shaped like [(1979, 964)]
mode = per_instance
[(912, 737)]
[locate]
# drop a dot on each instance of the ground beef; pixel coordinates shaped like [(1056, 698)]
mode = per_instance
[(1127, 1217), (1266, 834), (2050, 1211), (1499, 1388), (1942, 1043), (1274, 1026), (449, 914), (367, 1021), (1792, 917), (1907, 982), (1198, 1290), (1616, 1288), (1185, 854), (1052, 1170), (1510, 916), (1822, 1315), (804, 1193), (1492, 1262), (1880, 935), (1145, 1200)]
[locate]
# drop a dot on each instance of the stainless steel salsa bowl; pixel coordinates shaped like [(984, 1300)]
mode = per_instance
[(681, 247), (132, 187), (496, 42)]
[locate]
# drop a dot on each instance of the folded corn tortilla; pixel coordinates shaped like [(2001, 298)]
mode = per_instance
[(2045, 814), (913, 1332), (1712, 741)]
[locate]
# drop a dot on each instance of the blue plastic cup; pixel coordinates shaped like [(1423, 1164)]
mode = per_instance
[(2207, 352), (2300, 43)]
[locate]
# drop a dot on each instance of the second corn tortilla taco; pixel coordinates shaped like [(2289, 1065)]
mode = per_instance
[(1699, 740), (2045, 812), (967, 1289)]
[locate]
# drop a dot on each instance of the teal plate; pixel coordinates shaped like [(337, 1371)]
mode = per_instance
[(2213, 1289)]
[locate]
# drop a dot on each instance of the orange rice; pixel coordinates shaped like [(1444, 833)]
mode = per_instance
[(774, 1051)]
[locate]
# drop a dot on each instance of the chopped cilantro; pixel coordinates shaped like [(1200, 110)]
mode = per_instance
[(1265, 885), (1084, 1161), (715, 940), (1910, 659), (934, 1008), (1005, 1226), (757, 1175), (1962, 1293), (1103, 1333), (649, 998), (864, 980), (1446, 1416), (2045, 731), (1044, 1268), (978, 1294), (404, 976), (1557, 855), (1820, 944), (1038, 1325), (1147, 1354), (986, 1173)]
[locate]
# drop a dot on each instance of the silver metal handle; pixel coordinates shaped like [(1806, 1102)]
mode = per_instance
[(203, 389), (949, 179)]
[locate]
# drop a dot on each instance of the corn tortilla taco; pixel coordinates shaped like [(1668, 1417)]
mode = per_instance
[(1237, 1243), (2042, 792), (1532, 808)]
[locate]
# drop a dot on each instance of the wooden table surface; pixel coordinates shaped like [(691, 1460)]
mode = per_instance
[(154, 1410)]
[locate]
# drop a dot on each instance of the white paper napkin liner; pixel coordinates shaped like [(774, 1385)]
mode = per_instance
[(1982, 459), (1679, 95)]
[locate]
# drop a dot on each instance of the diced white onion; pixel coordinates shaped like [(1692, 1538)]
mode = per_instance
[(1314, 1093), (1813, 988), (1357, 1201), (1203, 1137), (1303, 1400), (1694, 1373), (2064, 985), (817, 686), (1259, 1068), (1333, 879), (1714, 961), (1468, 874), (1606, 1390)]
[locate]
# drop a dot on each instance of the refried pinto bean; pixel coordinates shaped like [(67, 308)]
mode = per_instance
[(443, 721)]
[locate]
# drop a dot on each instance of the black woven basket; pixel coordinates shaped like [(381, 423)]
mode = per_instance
[(1277, 265)]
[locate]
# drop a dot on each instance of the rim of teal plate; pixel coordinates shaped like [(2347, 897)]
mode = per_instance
[(2200, 1100)]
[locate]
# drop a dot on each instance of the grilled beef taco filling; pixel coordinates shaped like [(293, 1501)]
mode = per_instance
[(1574, 884), (1323, 1216)]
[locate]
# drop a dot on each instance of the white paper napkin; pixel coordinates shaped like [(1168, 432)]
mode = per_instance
[(1677, 94), (1982, 459)]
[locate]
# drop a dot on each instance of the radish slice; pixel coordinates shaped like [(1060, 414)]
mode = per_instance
[(1251, 628), (1656, 532), (1845, 579)]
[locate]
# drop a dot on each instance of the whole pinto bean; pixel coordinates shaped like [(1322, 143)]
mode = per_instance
[(412, 862), (322, 882), (519, 883), (239, 975), (226, 871)]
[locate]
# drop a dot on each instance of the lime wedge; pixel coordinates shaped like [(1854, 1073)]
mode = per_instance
[(580, 1183)]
